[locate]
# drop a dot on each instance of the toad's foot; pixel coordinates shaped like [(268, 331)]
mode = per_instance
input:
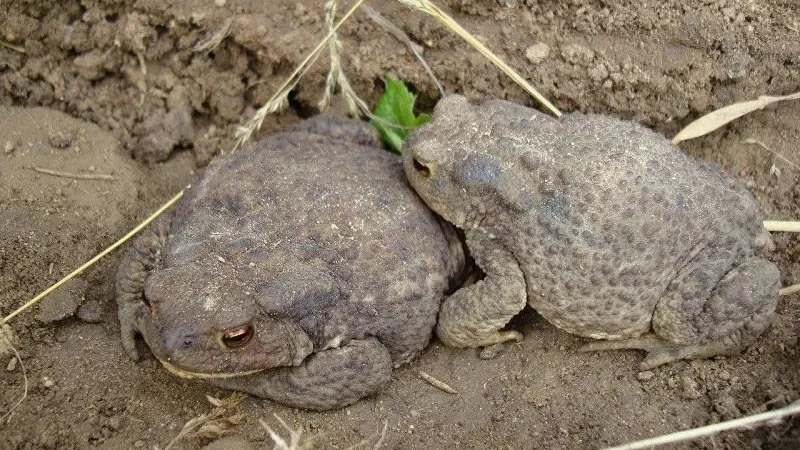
[(474, 315), (328, 379), (142, 256), (661, 352)]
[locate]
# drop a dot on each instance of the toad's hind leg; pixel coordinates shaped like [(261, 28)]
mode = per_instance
[(737, 311), (473, 315), (661, 352)]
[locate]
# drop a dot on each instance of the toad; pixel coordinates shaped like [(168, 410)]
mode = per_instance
[(600, 224), (301, 269)]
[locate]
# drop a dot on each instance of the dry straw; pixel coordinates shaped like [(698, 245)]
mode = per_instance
[(449, 22), (296, 442), (281, 97), (724, 115), (213, 424), (767, 418)]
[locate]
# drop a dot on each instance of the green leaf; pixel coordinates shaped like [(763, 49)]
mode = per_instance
[(394, 114)]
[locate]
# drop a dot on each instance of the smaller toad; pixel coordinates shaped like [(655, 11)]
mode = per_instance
[(601, 225), (301, 269)]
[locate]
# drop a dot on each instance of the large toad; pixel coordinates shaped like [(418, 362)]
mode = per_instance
[(301, 269), (601, 225)]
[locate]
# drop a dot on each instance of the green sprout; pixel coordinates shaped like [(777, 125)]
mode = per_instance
[(394, 114)]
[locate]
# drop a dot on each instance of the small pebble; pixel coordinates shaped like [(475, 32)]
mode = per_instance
[(220, 3), (645, 375), (138, 444), (114, 423), (491, 351), (12, 364), (537, 53), (47, 382), (691, 388), (9, 147), (61, 139)]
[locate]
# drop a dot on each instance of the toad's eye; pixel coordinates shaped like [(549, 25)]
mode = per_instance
[(421, 169), (238, 337)]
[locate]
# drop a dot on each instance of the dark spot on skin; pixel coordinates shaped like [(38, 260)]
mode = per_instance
[(530, 161), (680, 206), (478, 171), (555, 206), (589, 238)]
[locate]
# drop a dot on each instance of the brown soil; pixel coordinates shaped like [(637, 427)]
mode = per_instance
[(129, 69)]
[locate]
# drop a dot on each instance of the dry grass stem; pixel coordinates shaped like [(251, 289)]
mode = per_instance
[(280, 100), (213, 40), (767, 418), (296, 441), (367, 442), (7, 341), (717, 119), (438, 384), (89, 263), (429, 8), (13, 47), (789, 226), (777, 155), (278, 441), (401, 36), (336, 76), (77, 176), (334, 47), (213, 424), (789, 290)]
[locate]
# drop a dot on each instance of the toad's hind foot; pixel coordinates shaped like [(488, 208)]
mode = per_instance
[(499, 337), (661, 352)]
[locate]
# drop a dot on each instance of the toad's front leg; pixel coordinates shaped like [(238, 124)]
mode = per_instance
[(328, 379), (142, 256), (473, 315)]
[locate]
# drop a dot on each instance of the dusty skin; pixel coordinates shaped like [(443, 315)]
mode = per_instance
[(605, 228), (661, 64), (301, 269)]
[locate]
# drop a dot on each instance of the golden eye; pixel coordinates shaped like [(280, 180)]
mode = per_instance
[(238, 337), (421, 169)]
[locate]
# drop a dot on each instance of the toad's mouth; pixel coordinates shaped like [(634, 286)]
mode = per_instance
[(203, 375)]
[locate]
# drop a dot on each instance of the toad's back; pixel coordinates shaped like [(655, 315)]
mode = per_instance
[(612, 218)]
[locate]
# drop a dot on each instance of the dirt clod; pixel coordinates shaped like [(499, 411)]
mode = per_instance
[(62, 139), (63, 303), (537, 53), (646, 375)]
